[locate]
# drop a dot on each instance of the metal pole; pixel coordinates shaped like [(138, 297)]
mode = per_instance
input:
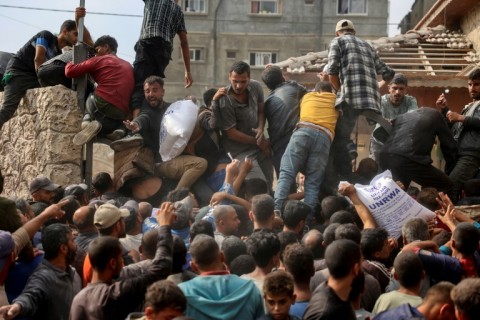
[(80, 85)]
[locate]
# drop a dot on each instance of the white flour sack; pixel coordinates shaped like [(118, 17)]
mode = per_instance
[(177, 127), (390, 206)]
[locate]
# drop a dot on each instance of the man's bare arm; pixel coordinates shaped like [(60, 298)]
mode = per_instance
[(186, 57)]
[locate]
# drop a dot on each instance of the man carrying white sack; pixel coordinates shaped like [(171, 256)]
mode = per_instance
[(185, 168)]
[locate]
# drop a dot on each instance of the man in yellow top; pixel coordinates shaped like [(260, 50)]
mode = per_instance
[(309, 145)]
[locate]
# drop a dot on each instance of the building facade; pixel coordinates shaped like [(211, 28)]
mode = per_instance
[(221, 32)]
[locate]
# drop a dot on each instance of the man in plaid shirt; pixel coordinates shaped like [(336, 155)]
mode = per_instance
[(353, 68), (162, 19)]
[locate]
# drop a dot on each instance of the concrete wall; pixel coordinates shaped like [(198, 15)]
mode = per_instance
[(228, 25), (38, 140)]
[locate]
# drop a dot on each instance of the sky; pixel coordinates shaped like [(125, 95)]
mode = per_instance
[(19, 25)]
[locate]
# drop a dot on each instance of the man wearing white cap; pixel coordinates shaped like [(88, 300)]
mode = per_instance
[(109, 221), (353, 68)]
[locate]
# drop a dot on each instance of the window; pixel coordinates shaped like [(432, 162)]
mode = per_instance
[(196, 55), (231, 55), (264, 7), (194, 6), (309, 1), (262, 58), (352, 6)]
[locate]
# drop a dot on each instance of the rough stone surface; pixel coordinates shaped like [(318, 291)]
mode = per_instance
[(38, 140)]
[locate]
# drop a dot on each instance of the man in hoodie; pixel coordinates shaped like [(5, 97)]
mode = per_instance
[(217, 294)]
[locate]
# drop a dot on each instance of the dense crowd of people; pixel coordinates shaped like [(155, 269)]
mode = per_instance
[(206, 234)]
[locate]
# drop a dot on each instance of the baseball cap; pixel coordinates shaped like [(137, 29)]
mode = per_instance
[(131, 206), (42, 182), (75, 190), (107, 215), (344, 25), (6, 247)]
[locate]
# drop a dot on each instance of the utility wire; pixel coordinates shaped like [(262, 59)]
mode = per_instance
[(141, 16)]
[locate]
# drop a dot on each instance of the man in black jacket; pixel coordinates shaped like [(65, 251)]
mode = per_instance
[(466, 131), (407, 151)]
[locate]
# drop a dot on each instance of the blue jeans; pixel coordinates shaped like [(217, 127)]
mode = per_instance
[(308, 149)]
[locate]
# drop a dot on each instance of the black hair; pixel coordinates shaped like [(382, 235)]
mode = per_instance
[(466, 238), (243, 264), (262, 207), (107, 40), (263, 246), (286, 238), (409, 269), (53, 237), (154, 79), (342, 217), (233, 247), (372, 241), (341, 256), (278, 283), (298, 260), (101, 250), (253, 187), (208, 96), (68, 25), (348, 231), (294, 212), (70, 207), (179, 254), (329, 233), (474, 75), (330, 205), (102, 182), (240, 67), (272, 77), (201, 227), (399, 78)]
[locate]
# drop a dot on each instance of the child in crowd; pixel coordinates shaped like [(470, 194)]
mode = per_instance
[(279, 296)]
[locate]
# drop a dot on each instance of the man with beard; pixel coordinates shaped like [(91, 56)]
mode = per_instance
[(185, 168), (465, 129), (238, 109), (393, 104), (51, 288), (331, 300), (106, 299)]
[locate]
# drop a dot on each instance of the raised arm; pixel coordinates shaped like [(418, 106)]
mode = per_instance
[(348, 190)]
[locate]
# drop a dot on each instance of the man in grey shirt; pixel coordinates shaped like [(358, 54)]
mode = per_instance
[(239, 112)]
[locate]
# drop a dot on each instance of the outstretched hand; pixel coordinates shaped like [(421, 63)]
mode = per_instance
[(132, 126)]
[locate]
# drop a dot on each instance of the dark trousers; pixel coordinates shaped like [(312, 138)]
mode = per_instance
[(152, 57), (53, 74), (14, 92), (406, 171), (465, 169), (110, 118)]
